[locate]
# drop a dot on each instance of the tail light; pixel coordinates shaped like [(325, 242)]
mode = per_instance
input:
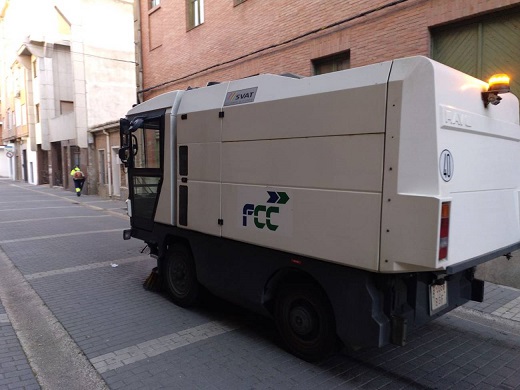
[(444, 231)]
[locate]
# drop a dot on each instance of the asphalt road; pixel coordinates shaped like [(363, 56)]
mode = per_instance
[(74, 315)]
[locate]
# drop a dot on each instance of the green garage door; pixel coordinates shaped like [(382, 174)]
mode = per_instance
[(482, 48)]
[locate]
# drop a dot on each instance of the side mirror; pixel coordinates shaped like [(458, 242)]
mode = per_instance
[(123, 154), (136, 124), (125, 150), (124, 126)]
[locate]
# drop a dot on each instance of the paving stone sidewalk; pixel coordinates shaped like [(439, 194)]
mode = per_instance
[(499, 301), (15, 371)]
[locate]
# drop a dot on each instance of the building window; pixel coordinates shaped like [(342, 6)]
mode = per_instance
[(18, 76), (66, 107), (155, 24), (332, 63), (237, 2), (37, 112), (24, 114), (101, 167), (194, 13), (9, 118), (35, 68), (17, 113)]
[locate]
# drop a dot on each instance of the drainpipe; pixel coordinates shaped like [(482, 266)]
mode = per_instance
[(109, 164)]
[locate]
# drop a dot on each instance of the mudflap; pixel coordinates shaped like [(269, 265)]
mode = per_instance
[(477, 290)]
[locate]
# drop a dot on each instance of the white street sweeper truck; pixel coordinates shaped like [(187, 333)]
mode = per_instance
[(351, 207)]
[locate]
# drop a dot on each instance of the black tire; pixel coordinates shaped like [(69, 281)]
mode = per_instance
[(305, 320), (180, 277)]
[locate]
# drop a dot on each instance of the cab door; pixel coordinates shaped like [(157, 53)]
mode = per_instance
[(145, 170)]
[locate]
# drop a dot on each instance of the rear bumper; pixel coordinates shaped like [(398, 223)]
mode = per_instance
[(453, 269)]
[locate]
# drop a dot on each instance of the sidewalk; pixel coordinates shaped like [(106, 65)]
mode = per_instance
[(14, 367), (499, 301)]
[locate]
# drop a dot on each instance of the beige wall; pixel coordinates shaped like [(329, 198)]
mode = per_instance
[(115, 174)]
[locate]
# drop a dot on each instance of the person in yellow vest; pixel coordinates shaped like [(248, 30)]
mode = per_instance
[(79, 179)]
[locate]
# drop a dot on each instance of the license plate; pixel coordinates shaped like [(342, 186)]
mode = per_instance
[(438, 297)]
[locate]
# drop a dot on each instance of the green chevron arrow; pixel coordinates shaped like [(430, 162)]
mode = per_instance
[(284, 198)]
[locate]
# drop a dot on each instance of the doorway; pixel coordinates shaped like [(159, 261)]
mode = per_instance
[(24, 165), (116, 172)]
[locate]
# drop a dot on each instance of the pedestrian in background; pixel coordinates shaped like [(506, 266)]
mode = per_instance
[(79, 179)]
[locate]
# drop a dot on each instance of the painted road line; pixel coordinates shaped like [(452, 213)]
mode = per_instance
[(17, 201), (53, 218), (74, 201), (148, 349), (40, 208), (59, 235), (97, 201), (39, 275)]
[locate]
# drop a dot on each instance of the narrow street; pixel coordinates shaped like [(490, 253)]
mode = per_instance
[(74, 315)]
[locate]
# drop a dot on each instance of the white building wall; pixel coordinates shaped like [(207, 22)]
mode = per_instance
[(4, 163), (109, 60), (46, 99), (32, 165), (103, 61), (63, 76), (63, 127)]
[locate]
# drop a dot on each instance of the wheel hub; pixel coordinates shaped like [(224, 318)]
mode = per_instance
[(301, 320), (179, 275)]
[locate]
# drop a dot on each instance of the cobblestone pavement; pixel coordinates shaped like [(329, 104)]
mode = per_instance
[(15, 371), (70, 251)]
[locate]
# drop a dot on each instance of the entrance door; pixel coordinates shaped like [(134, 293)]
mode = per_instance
[(24, 164), (145, 171), (116, 173)]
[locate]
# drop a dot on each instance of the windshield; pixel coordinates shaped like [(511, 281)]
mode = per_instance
[(146, 145)]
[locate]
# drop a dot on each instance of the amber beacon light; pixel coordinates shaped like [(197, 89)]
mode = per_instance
[(497, 84)]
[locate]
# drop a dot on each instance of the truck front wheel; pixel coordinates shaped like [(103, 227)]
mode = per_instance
[(180, 277), (305, 320)]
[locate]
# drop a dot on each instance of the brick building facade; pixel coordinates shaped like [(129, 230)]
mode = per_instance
[(237, 39)]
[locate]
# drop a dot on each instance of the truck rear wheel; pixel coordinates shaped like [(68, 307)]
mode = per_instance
[(180, 277), (305, 320)]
